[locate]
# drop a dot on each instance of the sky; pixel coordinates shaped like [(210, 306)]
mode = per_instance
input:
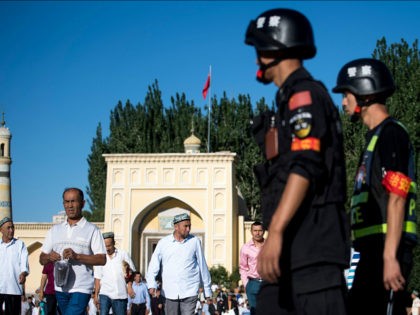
[(64, 66)]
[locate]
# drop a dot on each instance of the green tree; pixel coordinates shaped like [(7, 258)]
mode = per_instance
[(180, 118), (354, 141), (231, 122), (219, 275), (234, 278), (124, 129), (97, 177)]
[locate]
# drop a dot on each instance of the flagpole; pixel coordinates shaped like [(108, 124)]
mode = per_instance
[(209, 112)]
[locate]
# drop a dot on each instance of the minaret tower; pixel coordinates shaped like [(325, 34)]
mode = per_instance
[(5, 161)]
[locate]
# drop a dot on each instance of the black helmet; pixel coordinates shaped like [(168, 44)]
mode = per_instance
[(365, 76), (286, 31)]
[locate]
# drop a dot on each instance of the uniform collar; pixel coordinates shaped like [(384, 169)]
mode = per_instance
[(371, 132), (297, 75)]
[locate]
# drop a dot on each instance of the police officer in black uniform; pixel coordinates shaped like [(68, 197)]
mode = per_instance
[(303, 178), (383, 216)]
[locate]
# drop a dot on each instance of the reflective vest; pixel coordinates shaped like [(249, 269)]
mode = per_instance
[(366, 222)]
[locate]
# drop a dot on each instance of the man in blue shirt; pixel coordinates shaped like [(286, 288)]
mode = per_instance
[(184, 268), (140, 302)]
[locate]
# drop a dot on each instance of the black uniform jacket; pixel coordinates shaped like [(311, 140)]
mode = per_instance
[(309, 144)]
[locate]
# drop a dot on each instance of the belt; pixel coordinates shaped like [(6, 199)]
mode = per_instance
[(139, 304), (255, 279)]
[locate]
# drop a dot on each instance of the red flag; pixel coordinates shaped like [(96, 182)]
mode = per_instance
[(206, 86)]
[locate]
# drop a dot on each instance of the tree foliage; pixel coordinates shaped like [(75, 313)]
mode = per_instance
[(220, 276), (97, 177), (153, 128)]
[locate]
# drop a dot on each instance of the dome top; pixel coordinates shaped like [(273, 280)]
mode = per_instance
[(192, 140), (4, 131)]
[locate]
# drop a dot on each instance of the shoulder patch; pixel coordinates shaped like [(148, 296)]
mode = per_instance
[(301, 123), (300, 99)]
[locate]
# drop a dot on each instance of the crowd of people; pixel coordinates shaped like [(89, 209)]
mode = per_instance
[(299, 267)]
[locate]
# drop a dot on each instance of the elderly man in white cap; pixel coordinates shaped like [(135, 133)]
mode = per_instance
[(110, 279), (14, 268), (184, 268)]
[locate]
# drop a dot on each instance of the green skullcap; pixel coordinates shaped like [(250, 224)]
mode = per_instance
[(181, 217), (108, 235), (4, 220)]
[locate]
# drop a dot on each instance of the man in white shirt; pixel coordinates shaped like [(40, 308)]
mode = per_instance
[(14, 268), (79, 243), (110, 279), (184, 268), (415, 308)]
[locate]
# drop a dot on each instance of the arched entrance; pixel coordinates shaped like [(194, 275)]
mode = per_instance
[(155, 222), (145, 191)]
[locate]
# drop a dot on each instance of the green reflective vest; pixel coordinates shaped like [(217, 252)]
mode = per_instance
[(366, 222)]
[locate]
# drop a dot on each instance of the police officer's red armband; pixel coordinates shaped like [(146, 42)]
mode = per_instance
[(396, 183)]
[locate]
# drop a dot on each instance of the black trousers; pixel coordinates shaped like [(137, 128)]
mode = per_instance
[(51, 304), (316, 290), (12, 304), (138, 309), (368, 294)]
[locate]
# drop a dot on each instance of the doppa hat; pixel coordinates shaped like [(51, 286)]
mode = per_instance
[(4, 220), (108, 235), (181, 217)]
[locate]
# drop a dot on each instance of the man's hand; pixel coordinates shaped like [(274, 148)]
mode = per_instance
[(22, 277), (393, 279), (268, 259), (54, 256), (131, 292), (69, 253), (96, 300)]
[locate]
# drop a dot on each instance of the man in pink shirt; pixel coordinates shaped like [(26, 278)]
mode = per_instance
[(248, 264), (46, 290)]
